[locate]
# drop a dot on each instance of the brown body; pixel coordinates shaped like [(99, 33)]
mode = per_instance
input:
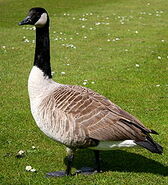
[(77, 117)]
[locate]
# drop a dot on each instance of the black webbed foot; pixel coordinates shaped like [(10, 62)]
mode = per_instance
[(86, 171), (57, 174)]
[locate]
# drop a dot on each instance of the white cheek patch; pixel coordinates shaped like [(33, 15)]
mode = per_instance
[(42, 21)]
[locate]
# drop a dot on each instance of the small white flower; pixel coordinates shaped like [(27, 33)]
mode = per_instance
[(84, 83), (33, 170), (117, 39), (83, 26), (77, 33), (137, 65), (33, 41), (108, 40), (68, 64), (136, 32), (159, 57), (13, 48), (91, 28), (126, 49), (85, 37), (158, 85), (91, 13), (33, 147), (3, 47), (26, 40), (63, 73), (28, 168), (162, 40), (73, 18), (21, 152), (97, 23), (93, 82), (83, 19), (85, 80)]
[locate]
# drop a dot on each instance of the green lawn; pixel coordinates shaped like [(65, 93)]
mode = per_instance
[(121, 48)]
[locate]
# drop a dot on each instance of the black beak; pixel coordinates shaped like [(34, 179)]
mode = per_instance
[(27, 20)]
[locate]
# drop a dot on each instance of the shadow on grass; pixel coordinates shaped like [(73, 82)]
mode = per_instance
[(120, 161)]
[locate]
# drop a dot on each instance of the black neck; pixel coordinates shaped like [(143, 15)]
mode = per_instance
[(42, 51)]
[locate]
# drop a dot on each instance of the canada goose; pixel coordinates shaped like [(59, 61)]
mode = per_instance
[(77, 116)]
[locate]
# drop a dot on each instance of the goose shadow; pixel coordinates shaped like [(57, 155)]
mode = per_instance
[(118, 160)]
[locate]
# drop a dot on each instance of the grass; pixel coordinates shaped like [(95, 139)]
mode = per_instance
[(131, 71)]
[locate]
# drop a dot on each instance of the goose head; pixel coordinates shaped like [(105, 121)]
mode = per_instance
[(37, 17)]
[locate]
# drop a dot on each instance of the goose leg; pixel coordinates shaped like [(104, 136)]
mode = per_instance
[(67, 172), (97, 160), (69, 164), (88, 170)]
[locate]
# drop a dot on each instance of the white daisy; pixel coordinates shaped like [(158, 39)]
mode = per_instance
[(33, 170), (33, 147), (28, 168), (84, 83), (63, 73)]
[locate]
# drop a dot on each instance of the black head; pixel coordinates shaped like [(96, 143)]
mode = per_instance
[(37, 17)]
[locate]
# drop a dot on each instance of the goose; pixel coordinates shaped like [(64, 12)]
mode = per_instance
[(76, 116)]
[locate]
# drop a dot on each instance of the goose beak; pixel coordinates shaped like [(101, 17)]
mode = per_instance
[(25, 21)]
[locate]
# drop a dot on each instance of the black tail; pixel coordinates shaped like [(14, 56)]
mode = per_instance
[(151, 145)]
